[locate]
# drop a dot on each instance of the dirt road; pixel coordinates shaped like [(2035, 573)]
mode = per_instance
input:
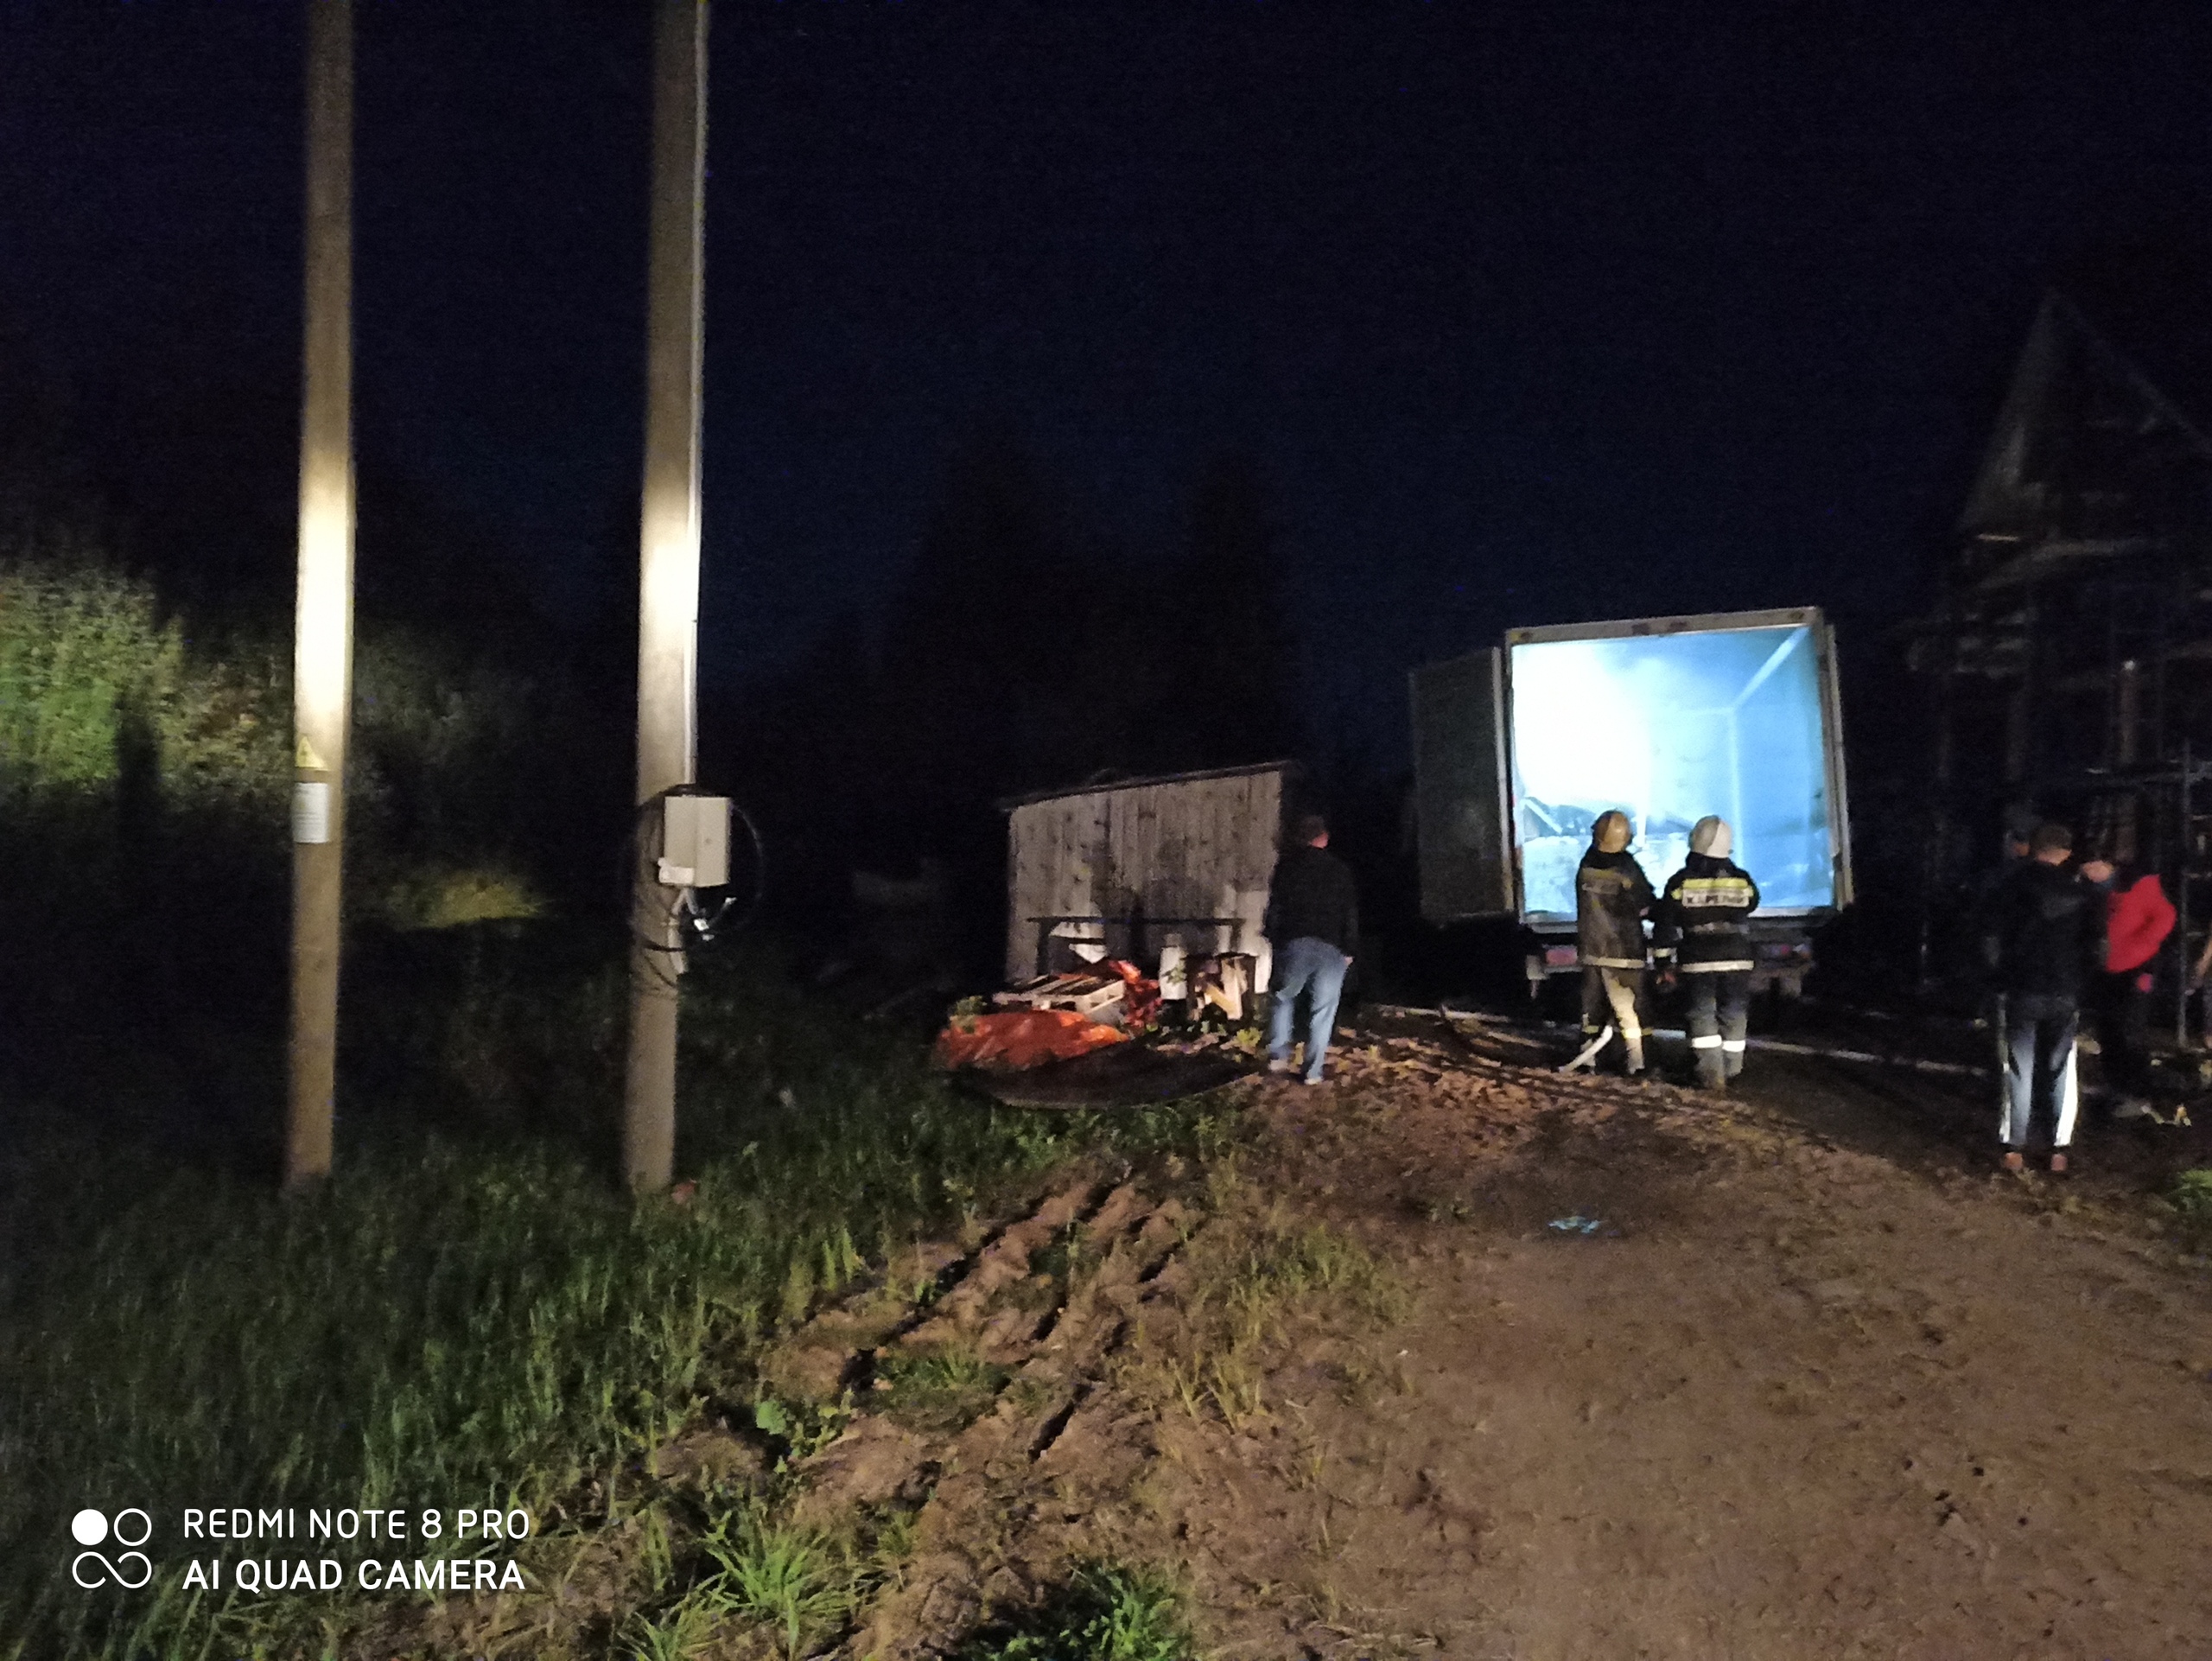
[(1817, 1383), (1621, 1371)]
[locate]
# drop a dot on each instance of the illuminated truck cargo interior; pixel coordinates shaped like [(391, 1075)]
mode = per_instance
[(1669, 727)]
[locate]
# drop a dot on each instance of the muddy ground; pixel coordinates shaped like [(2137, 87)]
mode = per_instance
[(1819, 1384), (1807, 1376)]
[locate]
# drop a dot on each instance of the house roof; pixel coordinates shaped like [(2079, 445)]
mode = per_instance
[(2088, 437), (2153, 305)]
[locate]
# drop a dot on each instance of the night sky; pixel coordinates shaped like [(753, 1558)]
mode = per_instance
[(1527, 313)]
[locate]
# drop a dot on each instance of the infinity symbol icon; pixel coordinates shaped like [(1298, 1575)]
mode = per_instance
[(111, 1570), (91, 1528)]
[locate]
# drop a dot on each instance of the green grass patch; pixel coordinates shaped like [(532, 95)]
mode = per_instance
[(798, 1581), (939, 1392), (1105, 1613), (455, 1320), (2192, 1195), (1254, 1271), (742, 1569)]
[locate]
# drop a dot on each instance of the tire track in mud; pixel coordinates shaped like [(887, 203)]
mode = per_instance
[(974, 1484)]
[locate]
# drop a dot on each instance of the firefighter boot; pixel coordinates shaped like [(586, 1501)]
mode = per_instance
[(1712, 1069)]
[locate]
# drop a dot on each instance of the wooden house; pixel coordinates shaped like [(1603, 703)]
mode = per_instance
[(2068, 656), (1128, 869)]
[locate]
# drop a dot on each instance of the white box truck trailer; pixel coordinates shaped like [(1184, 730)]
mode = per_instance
[(1517, 749)]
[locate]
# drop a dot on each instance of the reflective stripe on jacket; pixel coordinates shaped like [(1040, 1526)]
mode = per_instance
[(1706, 916)]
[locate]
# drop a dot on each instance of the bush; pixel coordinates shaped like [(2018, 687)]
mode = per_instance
[(143, 779), (94, 683)]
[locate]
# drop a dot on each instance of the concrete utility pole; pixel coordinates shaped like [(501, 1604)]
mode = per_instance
[(322, 639), (668, 573)]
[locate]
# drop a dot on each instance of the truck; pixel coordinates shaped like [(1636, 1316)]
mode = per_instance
[(1518, 748)]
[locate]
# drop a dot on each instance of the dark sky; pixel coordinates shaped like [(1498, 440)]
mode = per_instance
[(1526, 312)]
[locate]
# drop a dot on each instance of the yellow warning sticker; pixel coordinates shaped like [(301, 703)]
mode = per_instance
[(305, 758)]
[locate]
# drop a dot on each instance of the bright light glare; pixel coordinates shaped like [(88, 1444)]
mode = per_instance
[(322, 632), (1669, 729), (671, 569)]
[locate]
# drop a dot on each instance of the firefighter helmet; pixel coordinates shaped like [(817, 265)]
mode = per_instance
[(1711, 836)]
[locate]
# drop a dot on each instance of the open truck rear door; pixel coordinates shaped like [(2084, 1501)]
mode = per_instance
[(1462, 818)]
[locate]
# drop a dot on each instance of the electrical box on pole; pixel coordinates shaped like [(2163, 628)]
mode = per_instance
[(694, 842)]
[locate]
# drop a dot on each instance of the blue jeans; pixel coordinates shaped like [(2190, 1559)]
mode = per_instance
[(1316, 969)]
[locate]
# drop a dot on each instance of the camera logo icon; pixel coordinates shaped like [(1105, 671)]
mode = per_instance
[(129, 1569)]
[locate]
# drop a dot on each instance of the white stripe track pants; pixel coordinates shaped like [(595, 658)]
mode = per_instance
[(2036, 1052)]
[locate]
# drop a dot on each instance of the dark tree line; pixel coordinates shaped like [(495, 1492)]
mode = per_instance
[(1022, 651)]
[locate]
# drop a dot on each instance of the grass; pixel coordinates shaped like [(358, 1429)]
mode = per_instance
[(1105, 1613), (939, 1392), (793, 1580), (1253, 1270), (676, 1634), (455, 1320), (2192, 1195), (727, 1572)]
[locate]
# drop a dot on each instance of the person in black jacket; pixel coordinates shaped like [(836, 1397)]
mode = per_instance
[(1705, 924), (2045, 942), (1313, 921), (1612, 895)]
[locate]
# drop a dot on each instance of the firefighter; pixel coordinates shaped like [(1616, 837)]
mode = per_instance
[(1611, 897), (1705, 927)]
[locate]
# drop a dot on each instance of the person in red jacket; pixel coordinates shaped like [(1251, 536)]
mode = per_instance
[(2139, 917)]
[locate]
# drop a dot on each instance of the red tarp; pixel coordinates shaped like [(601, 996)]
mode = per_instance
[(1012, 1039)]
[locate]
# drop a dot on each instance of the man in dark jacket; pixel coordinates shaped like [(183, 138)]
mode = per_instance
[(2046, 941), (1612, 895), (1313, 921), (1705, 924)]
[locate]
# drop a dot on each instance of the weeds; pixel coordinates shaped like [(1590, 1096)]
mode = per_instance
[(794, 1580), (658, 1560), (1105, 1613), (940, 1392), (1061, 1259), (804, 1428), (897, 1532), (2192, 1195), (1232, 1384), (1252, 1272), (676, 1634)]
